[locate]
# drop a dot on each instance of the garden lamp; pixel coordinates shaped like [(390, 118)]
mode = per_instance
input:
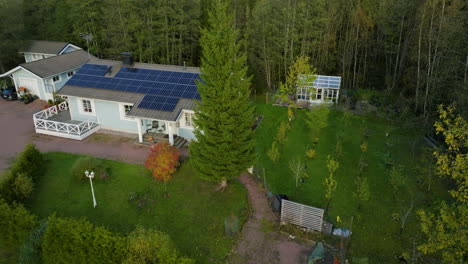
[(90, 175)]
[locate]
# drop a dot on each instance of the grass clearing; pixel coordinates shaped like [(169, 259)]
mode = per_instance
[(375, 234), (193, 215)]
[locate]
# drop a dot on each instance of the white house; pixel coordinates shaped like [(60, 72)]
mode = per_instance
[(153, 102), (48, 67), (40, 49), (324, 89)]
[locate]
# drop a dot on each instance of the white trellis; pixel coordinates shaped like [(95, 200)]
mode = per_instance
[(302, 215)]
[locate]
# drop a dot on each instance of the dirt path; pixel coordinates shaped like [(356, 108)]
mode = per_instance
[(259, 244)]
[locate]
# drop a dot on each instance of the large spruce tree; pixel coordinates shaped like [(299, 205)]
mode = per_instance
[(224, 147)]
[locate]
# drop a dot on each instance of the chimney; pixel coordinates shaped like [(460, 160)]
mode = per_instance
[(185, 67), (127, 58)]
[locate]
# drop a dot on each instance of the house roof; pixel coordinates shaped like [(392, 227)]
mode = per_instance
[(43, 46), (187, 104), (94, 81), (58, 64)]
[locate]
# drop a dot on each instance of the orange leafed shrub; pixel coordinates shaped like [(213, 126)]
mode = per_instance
[(163, 161)]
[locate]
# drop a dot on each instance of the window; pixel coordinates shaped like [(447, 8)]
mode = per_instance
[(127, 108), (56, 78), (188, 119), (87, 108), (70, 74), (319, 94), (303, 93), (124, 109)]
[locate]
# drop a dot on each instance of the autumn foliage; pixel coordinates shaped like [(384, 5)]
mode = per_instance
[(163, 161)]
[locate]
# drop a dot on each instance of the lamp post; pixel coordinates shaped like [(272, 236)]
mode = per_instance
[(91, 176)]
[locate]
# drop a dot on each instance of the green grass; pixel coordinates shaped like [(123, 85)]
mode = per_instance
[(193, 215), (375, 234)]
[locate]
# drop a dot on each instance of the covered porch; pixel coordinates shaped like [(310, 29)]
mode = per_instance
[(56, 121), (151, 131)]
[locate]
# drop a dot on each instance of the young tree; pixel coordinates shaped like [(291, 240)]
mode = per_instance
[(163, 161), (330, 182), (362, 190), (317, 119), (297, 167), (300, 74), (224, 147), (446, 229)]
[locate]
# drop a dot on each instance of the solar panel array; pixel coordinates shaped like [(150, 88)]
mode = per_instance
[(323, 81), (162, 89)]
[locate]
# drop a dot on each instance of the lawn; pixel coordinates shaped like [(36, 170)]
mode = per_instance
[(193, 215), (375, 234)]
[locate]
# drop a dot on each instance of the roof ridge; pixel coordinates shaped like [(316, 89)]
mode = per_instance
[(52, 57)]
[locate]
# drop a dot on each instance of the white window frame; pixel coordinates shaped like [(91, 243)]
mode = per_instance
[(188, 122), (70, 74), (123, 114), (59, 78), (81, 107), (303, 93)]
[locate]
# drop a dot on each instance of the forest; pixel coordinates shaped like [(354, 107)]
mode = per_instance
[(413, 52)]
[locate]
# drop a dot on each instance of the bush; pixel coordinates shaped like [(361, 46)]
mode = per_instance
[(68, 240), (31, 250), (311, 154), (151, 246), (273, 152), (6, 187), (23, 186), (89, 164), (15, 224), (29, 162)]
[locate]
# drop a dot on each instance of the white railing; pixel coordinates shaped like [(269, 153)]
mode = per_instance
[(42, 122), (60, 127), (51, 111)]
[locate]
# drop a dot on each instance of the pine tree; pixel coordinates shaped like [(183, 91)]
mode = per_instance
[(224, 147)]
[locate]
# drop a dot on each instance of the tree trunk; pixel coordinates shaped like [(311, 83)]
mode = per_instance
[(419, 59), (222, 185)]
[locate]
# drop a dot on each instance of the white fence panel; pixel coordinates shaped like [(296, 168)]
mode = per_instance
[(302, 215)]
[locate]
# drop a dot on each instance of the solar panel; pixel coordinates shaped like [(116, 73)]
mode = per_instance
[(162, 89)]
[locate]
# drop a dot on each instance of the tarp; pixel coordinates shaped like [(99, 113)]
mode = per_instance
[(343, 232), (318, 253)]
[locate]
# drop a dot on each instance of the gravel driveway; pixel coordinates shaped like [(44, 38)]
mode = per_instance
[(17, 130)]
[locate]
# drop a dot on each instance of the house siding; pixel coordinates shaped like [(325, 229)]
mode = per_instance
[(107, 115), (186, 133), (63, 79), (21, 73), (28, 57)]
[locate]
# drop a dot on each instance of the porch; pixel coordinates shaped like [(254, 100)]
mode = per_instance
[(56, 121), (154, 137)]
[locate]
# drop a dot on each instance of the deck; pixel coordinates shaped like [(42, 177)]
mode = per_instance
[(56, 121)]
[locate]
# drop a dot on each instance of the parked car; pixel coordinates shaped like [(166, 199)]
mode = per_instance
[(9, 93)]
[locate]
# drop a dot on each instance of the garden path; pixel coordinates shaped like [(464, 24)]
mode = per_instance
[(258, 244)]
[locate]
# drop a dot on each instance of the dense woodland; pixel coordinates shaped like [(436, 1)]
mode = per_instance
[(415, 51)]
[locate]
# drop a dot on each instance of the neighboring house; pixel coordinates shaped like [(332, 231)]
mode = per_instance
[(150, 101), (40, 49), (45, 76), (324, 89)]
